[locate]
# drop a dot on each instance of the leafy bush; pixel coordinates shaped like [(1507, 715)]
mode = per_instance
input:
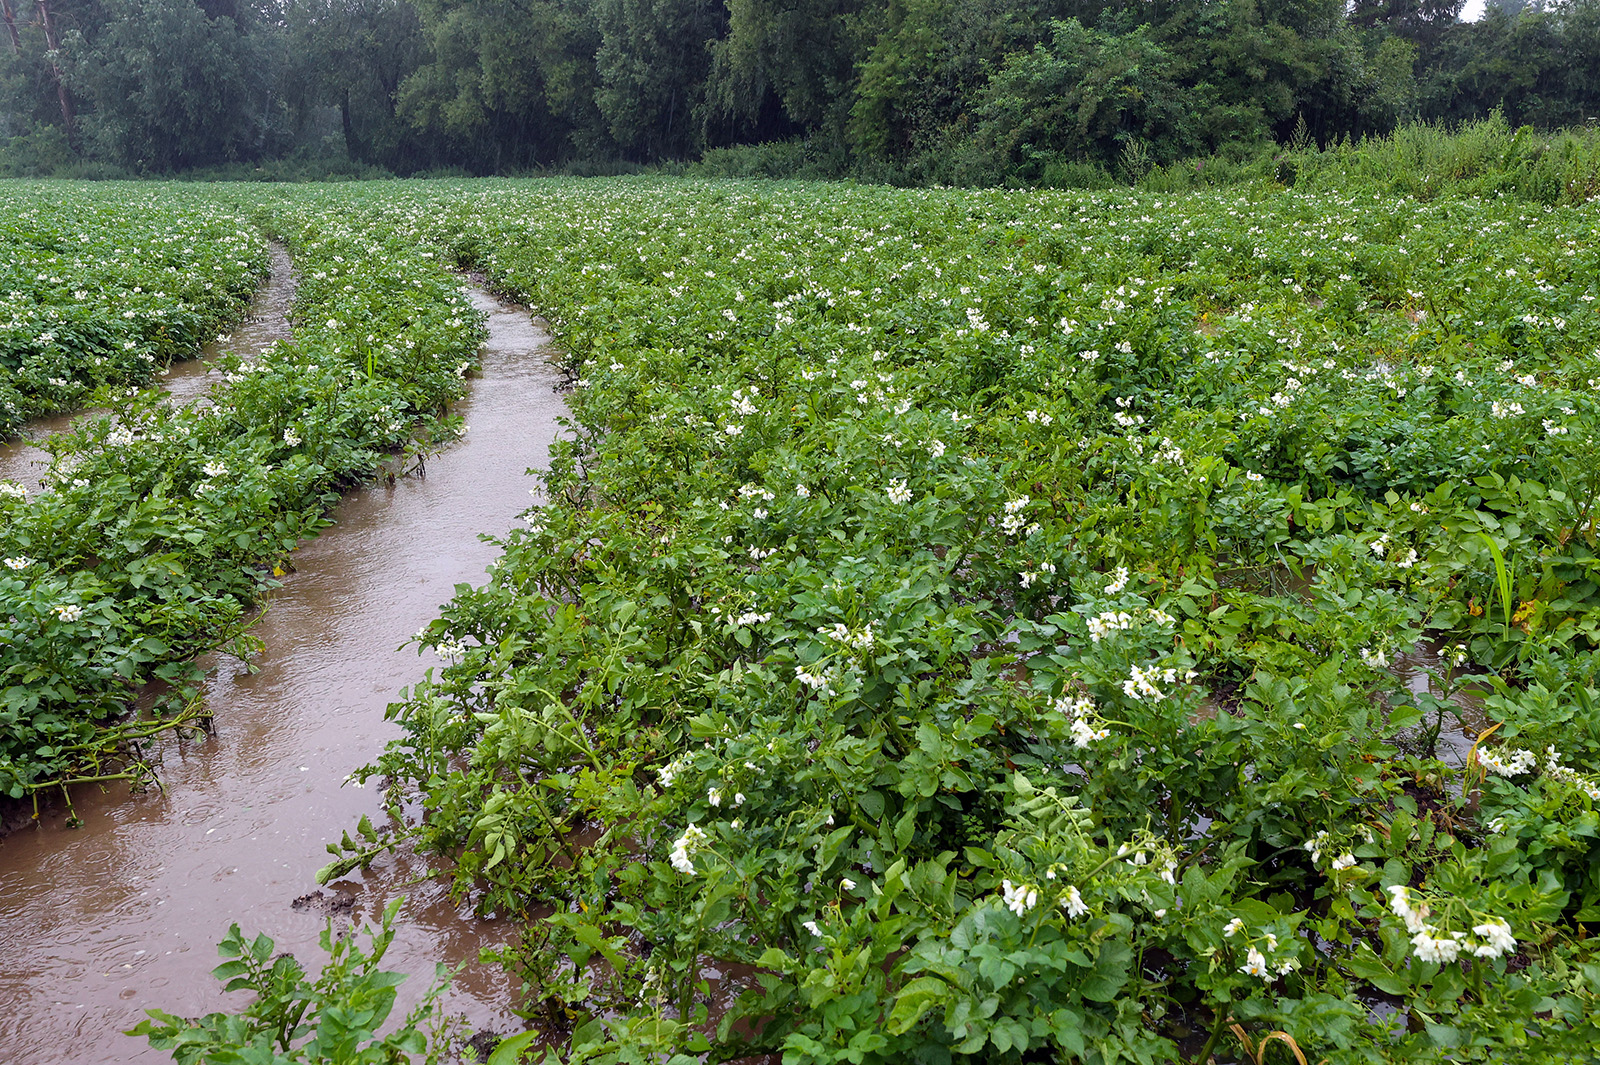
[(42, 152), (1483, 158), (801, 159)]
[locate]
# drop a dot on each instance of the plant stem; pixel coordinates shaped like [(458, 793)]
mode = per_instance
[(1216, 1032), (531, 788)]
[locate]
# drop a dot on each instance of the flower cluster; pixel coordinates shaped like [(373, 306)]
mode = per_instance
[(1256, 962), (685, 847), (1103, 624), (1141, 852), (822, 681), (1317, 844), (1013, 520), (1512, 764), (756, 491), (669, 773), (1019, 898), (860, 639), (1556, 771), (1029, 577), (1122, 417), (1085, 726), (1490, 938), (452, 649), (1141, 682)]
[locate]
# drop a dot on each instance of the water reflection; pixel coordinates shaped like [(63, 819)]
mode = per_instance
[(125, 912)]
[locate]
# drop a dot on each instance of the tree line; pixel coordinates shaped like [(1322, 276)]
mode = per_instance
[(957, 91)]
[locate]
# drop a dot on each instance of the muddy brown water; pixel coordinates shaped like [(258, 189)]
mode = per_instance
[(266, 320), (102, 921)]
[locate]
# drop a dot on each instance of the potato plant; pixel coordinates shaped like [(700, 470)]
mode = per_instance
[(106, 285), (960, 625), (161, 525)]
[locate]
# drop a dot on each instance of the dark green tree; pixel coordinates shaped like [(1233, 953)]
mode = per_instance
[(173, 87), (1085, 95), (800, 54), (1423, 21), (898, 90), (929, 59), (652, 64), (507, 83), (352, 55), (42, 44), (1501, 61)]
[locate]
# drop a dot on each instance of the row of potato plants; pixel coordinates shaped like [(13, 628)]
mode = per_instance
[(160, 525), (960, 626), (102, 290)]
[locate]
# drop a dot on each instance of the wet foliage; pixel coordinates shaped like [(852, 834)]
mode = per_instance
[(959, 624), (105, 290), (160, 525), (335, 1019)]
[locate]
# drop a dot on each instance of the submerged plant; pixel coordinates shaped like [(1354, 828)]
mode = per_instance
[(335, 1018)]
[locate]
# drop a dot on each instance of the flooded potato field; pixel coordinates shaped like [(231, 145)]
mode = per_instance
[(125, 912)]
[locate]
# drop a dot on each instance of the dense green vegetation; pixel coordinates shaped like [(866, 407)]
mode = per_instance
[(160, 523), (1117, 625), (108, 292), (966, 621), (1064, 92)]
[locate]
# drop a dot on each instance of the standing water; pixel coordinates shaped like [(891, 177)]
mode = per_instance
[(267, 320), (125, 912)]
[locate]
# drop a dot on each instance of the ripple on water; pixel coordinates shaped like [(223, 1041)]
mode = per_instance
[(242, 827)]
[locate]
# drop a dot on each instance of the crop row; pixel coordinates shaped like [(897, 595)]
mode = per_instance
[(160, 523), (972, 612), (107, 289)]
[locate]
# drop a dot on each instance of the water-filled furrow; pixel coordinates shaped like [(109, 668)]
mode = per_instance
[(266, 320), (125, 912)]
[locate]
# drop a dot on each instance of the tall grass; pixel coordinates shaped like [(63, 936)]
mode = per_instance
[(1483, 158)]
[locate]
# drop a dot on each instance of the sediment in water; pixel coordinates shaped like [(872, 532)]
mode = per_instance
[(125, 912)]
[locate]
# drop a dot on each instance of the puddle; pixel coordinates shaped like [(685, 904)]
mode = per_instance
[(1425, 670)]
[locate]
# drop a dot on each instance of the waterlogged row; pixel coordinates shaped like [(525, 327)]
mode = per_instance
[(970, 613), (106, 285), (159, 523)]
